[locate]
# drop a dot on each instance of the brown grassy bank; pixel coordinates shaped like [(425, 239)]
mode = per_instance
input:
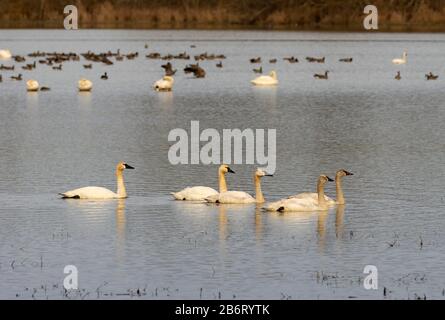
[(403, 15)]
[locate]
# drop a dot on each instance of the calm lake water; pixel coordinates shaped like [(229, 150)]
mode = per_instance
[(389, 133)]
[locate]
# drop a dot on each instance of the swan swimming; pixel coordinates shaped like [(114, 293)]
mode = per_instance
[(85, 85), (303, 204), (339, 191), (5, 54), (402, 60), (240, 196), (269, 80), (32, 85), (165, 84), (200, 193), (99, 192)]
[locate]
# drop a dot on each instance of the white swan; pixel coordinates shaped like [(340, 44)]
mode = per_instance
[(200, 193), (240, 196), (269, 80), (402, 60), (165, 84), (339, 191), (32, 85), (99, 192), (85, 85), (5, 54), (304, 204)]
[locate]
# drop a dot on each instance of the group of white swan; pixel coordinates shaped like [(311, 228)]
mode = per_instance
[(306, 201)]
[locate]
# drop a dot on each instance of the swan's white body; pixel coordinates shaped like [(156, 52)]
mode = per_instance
[(269, 80), (241, 196), (32, 85), (98, 193), (231, 197), (400, 61), (313, 196), (85, 85), (91, 193), (165, 84), (295, 204), (200, 193), (5, 54)]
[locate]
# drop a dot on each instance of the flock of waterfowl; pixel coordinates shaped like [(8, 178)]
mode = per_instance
[(306, 201), (55, 60)]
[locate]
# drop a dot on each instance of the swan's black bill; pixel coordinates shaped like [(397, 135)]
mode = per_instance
[(348, 173), (230, 170), (268, 175), (128, 166), (329, 179)]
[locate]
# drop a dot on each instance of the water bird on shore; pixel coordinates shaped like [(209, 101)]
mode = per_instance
[(305, 204), (219, 64), (17, 78), (84, 85), (340, 198), (345, 60), (200, 193), (241, 197), (58, 68), (99, 192), (32, 85), (398, 77), (7, 68), (29, 67), (5, 54), (196, 70), (19, 58), (259, 70), (291, 59), (104, 76), (88, 66), (321, 76), (266, 80), (165, 84), (255, 60), (273, 61), (400, 60), (317, 60), (45, 89), (431, 76), (168, 69)]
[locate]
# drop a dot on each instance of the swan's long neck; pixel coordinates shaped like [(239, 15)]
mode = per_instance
[(258, 193), (320, 191), (339, 190), (121, 191), (222, 182)]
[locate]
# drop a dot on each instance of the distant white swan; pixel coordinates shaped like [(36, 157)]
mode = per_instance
[(85, 85), (240, 196), (200, 193), (339, 191), (304, 204), (99, 192), (165, 84), (5, 54), (269, 80), (32, 85), (402, 60)]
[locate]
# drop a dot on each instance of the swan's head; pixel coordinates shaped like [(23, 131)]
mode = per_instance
[(343, 173), (273, 74), (224, 168), (260, 173), (122, 166), (323, 179)]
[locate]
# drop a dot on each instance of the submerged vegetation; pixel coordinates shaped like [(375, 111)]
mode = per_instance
[(404, 15)]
